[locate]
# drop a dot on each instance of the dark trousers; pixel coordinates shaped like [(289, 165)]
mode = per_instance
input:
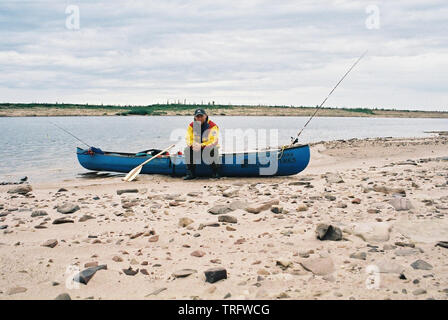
[(207, 155)]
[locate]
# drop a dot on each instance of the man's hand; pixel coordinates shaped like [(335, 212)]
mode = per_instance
[(196, 146)]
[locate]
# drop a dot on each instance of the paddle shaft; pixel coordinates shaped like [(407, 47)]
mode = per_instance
[(163, 151)]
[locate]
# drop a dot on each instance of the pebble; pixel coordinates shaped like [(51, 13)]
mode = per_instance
[(130, 272), (50, 243), (117, 259), (419, 292), (183, 222), (68, 208), (154, 238), (277, 209), (87, 274), (16, 290), (213, 275), (328, 232), (119, 192), (198, 253), (228, 219), (259, 208), (39, 213), (401, 204), (319, 266), (421, 265), (85, 218), (219, 209), (63, 296), (302, 207), (23, 189), (183, 273), (359, 255)]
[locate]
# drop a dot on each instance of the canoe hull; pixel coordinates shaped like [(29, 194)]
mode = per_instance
[(267, 163)]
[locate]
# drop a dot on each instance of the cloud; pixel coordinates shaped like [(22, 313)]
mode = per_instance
[(243, 52)]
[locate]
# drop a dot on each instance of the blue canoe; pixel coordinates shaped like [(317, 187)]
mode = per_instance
[(273, 162)]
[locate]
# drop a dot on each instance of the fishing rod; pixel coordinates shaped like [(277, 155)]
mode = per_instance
[(300, 132), (69, 133)]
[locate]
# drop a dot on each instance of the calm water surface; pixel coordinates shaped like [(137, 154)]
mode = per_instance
[(33, 147)]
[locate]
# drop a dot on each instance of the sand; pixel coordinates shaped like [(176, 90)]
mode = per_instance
[(274, 254)]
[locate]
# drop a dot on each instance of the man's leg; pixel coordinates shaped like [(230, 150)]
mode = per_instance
[(188, 152), (212, 154)]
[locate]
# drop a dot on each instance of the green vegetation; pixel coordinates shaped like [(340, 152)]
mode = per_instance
[(362, 110)]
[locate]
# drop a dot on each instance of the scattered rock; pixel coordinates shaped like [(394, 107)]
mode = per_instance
[(372, 231), (228, 219), (63, 296), (256, 208), (67, 208), (277, 209), (284, 263), (50, 243), (23, 189), (117, 259), (443, 244), (130, 272), (198, 253), (406, 252), (119, 192), (87, 274), (418, 292), (328, 232), (85, 218), (16, 290), (62, 190), (184, 222), (302, 207), (319, 266), (39, 213), (401, 204), (359, 255), (386, 266), (220, 209), (213, 275), (356, 201), (183, 273), (421, 265), (154, 238), (62, 220)]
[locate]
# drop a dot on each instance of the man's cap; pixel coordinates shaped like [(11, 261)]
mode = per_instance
[(199, 111)]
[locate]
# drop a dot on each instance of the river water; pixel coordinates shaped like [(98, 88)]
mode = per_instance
[(33, 147)]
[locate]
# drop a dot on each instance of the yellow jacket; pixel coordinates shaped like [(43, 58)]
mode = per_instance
[(210, 134)]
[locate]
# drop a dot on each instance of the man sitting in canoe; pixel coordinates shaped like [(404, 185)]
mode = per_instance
[(202, 144)]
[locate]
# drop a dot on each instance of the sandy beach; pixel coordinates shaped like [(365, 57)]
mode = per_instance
[(379, 207)]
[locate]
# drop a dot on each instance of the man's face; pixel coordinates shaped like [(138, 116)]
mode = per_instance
[(200, 118)]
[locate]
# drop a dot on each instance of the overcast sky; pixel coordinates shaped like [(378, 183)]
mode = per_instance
[(243, 52)]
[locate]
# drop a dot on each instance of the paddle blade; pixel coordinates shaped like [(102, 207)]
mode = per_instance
[(133, 174)]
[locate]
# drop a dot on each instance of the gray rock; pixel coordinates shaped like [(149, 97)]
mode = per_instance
[(63, 296), (257, 208), (387, 266), (443, 244), (359, 255), (406, 252), (183, 273), (421, 265), (418, 292), (67, 208), (39, 213), (330, 197), (23, 189), (226, 218), (277, 209), (333, 178), (16, 290), (85, 218), (62, 220), (3, 227), (319, 266), (87, 274), (372, 231), (184, 222), (119, 192), (220, 209), (238, 204), (215, 274), (401, 204), (62, 190), (130, 272), (50, 243), (328, 232)]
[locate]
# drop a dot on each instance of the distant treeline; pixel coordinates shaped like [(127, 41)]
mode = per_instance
[(160, 109)]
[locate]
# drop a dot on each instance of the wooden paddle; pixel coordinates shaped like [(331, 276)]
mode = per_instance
[(136, 171)]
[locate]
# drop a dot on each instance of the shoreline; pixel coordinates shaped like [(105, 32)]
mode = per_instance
[(387, 197), (216, 111)]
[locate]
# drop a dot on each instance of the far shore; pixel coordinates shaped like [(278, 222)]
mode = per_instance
[(44, 110)]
